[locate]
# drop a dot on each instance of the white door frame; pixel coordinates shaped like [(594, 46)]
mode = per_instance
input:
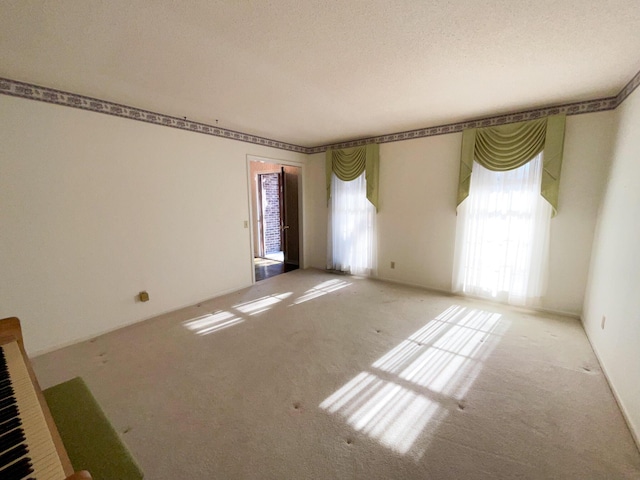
[(290, 163)]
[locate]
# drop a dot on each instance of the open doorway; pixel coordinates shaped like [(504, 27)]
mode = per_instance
[(275, 207)]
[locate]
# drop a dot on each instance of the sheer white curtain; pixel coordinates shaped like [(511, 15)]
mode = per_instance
[(352, 228), (502, 235)]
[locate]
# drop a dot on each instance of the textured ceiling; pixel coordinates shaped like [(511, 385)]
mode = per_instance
[(318, 72)]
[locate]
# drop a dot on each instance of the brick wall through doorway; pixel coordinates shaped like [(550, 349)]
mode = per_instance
[(271, 211)]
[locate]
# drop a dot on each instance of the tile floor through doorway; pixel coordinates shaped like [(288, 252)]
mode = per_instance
[(271, 265)]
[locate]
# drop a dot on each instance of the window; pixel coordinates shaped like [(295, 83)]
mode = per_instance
[(352, 227), (503, 235)]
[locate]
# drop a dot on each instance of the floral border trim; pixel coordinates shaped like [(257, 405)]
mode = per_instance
[(628, 89), (49, 95), (577, 108)]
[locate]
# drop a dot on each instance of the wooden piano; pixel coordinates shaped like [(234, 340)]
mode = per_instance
[(30, 445)]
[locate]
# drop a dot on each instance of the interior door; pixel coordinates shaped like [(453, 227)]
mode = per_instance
[(290, 225)]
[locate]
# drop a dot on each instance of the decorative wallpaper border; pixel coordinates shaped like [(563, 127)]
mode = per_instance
[(49, 95), (577, 108), (628, 89)]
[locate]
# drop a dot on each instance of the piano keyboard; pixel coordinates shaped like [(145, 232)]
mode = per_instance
[(27, 450)]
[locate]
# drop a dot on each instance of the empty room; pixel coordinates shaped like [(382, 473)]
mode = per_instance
[(319, 240)]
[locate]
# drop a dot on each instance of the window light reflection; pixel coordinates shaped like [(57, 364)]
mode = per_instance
[(212, 323), (253, 307), (441, 355), (408, 387), (386, 411), (321, 289), (222, 319)]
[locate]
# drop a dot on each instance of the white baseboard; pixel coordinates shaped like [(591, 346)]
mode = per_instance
[(625, 413), (481, 299), (35, 353), (414, 285)]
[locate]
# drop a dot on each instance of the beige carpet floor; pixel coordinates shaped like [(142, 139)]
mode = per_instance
[(310, 375)]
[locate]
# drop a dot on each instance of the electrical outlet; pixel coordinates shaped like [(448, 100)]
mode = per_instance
[(393, 264), (604, 320)]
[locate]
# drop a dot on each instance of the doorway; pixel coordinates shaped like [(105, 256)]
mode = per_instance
[(276, 210)]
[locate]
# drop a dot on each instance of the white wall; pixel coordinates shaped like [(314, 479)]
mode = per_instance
[(417, 217), (95, 208), (614, 277), (315, 227), (587, 156)]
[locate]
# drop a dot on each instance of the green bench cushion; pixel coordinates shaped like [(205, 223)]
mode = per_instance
[(90, 440)]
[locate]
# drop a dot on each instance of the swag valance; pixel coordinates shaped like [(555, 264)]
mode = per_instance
[(349, 163), (507, 147)]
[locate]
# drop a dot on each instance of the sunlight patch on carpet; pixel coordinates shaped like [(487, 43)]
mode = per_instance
[(320, 290), (259, 305), (221, 319), (441, 355), (387, 412), (408, 388), (212, 322)]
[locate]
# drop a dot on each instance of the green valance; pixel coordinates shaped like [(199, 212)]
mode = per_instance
[(349, 163), (507, 147)]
